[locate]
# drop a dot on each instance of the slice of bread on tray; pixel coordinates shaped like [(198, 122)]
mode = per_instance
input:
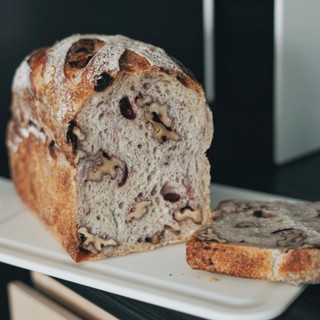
[(271, 240)]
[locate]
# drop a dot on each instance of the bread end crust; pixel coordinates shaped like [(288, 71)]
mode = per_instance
[(51, 193), (294, 266)]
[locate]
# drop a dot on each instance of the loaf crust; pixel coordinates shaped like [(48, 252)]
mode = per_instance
[(296, 261), (53, 89)]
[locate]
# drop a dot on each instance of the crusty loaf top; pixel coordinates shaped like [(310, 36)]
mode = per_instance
[(52, 84), (268, 224)]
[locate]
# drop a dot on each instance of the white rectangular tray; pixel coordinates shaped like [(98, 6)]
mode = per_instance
[(161, 277)]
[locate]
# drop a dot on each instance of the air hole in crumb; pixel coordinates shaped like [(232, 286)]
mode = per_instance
[(168, 92), (177, 179), (121, 204), (139, 146), (158, 89), (154, 190), (98, 217), (101, 116), (190, 119), (149, 177), (155, 149), (52, 149), (141, 127), (147, 86), (158, 201)]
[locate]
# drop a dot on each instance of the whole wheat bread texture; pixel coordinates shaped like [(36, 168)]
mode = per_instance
[(274, 240), (107, 145)]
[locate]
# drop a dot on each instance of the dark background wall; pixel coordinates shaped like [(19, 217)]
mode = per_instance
[(243, 109)]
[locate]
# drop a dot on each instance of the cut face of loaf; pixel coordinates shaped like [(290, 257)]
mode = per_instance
[(276, 241), (115, 145)]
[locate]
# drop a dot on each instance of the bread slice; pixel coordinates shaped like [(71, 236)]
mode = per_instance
[(274, 240), (107, 145)]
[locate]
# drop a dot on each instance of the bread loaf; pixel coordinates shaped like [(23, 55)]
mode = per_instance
[(107, 145), (276, 241)]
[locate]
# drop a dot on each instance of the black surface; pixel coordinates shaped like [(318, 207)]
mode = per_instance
[(7, 274), (299, 179), (243, 109)]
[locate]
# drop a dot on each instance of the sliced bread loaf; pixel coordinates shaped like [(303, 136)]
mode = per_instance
[(107, 145)]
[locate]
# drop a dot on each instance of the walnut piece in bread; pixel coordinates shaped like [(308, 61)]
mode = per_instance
[(105, 132), (273, 240)]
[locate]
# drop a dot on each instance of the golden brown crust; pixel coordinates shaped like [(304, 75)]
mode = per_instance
[(131, 61), (300, 265), (229, 259), (291, 265), (46, 184)]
